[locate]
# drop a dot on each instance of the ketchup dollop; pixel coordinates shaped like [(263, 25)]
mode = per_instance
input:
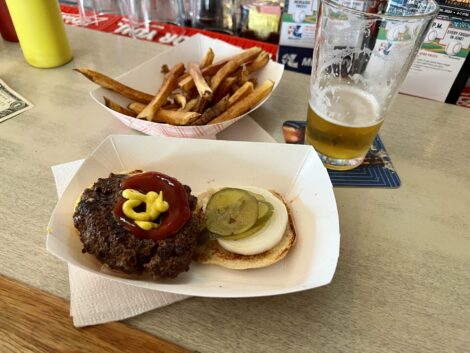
[(174, 193)]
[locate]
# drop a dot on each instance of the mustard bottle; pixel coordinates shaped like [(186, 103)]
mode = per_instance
[(40, 30)]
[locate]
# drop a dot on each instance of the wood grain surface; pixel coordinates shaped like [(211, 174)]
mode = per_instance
[(35, 321)]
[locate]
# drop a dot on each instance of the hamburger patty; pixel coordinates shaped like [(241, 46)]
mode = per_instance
[(105, 238)]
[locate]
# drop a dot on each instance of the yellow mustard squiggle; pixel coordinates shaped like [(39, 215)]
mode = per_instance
[(154, 206)]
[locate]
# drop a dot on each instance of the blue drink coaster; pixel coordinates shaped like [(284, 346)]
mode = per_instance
[(377, 169)]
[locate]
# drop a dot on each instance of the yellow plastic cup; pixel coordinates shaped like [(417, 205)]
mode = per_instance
[(41, 32)]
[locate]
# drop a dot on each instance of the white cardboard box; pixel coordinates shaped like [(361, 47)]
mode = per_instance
[(295, 171)]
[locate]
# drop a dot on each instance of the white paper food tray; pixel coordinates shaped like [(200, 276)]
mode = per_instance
[(147, 77), (295, 171)]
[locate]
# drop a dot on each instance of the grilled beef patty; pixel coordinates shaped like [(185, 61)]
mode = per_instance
[(105, 238)]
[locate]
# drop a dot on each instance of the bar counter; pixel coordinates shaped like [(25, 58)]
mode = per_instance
[(402, 283)]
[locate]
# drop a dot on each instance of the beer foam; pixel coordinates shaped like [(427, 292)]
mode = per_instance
[(346, 106)]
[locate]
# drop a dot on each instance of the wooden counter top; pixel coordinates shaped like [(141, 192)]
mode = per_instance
[(35, 321)]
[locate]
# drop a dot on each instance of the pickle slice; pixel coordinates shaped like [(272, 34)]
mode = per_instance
[(231, 211), (257, 196), (265, 211), (253, 230)]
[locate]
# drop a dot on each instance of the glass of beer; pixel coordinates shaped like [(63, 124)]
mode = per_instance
[(363, 51)]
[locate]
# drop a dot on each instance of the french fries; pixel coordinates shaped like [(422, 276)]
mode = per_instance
[(174, 117), (165, 115), (186, 82), (113, 85), (207, 61), (136, 107), (169, 85), (233, 65), (180, 99), (118, 108), (261, 61), (240, 93), (208, 58), (207, 93), (243, 75), (201, 85), (223, 73), (165, 69), (224, 88), (212, 112), (244, 57), (191, 105), (244, 105), (247, 55), (201, 104), (171, 106)]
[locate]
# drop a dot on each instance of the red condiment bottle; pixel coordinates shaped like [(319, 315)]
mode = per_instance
[(6, 25)]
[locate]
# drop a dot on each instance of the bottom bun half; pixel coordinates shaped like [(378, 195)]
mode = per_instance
[(209, 251)]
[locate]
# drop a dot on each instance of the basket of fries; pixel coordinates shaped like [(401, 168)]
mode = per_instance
[(195, 89)]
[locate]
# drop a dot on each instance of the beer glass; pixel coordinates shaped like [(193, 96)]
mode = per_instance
[(87, 12), (363, 50)]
